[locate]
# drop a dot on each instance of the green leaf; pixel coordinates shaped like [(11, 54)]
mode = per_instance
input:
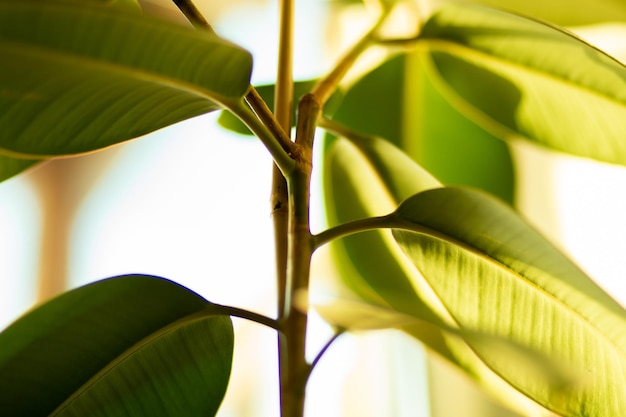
[(355, 181), (399, 102), (229, 121), (10, 167), (521, 79), (495, 274), (127, 346), (79, 78), (370, 177), (357, 315), (124, 5), (565, 12)]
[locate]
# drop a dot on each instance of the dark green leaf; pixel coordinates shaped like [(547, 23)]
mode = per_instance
[(495, 274), (127, 346), (521, 79), (80, 78), (370, 177), (10, 167), (399, 102)]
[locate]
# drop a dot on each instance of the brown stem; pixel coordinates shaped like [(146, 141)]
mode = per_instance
[(296, 368), (283, 99), (193, 15), (278, 126)]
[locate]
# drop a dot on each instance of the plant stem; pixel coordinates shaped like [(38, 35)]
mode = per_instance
[(283, 108), (258, 105), (279, 199), (192, 14), (325, 348), (245, 314), (281, 157), (356, 226), (253, 98), (295, 367), (339, 129), (327, 85), (283, 95)]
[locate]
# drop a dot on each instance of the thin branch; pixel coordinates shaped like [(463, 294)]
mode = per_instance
[(324, 349), (193, 15), (283, 109), (282, 159), (356, 226), (253, 98), (248, 315), (283, 95), (327, 85), (260, 108), (343, 131)]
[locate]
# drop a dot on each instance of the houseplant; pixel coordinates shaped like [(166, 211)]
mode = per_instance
[(452, 266)]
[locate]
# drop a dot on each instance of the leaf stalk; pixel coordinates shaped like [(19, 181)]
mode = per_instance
[(324, 89), (294, 365)]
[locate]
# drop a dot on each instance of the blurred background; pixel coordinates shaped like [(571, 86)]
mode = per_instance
[(191, 203)]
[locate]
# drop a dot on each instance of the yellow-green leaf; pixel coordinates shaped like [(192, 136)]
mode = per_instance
[(495, 274), (522, 79)]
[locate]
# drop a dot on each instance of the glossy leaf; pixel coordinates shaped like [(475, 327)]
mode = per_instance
[(495, 274), (399, 102), (370, 177), (127, 346), (525, 80), (80, 78)]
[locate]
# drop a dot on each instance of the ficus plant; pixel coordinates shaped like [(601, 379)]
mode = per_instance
[(422, 225)]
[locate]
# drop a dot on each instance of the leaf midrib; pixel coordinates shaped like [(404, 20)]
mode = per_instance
[(101, 65), (208, 311), (403, 224), (477, 55)]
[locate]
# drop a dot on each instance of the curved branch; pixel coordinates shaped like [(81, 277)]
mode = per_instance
[(281, 157), (248, 315)]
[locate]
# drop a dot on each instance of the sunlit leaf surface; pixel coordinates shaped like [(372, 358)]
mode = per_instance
[(127, 346), (565, 12), (79, 78), (524, 80), (495, 274)]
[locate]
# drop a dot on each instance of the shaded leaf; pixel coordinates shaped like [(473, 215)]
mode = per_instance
[(370, 177), (355, 181), (132, 345), (399, 102), (497, 275), (76, 79), (521, 79)]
